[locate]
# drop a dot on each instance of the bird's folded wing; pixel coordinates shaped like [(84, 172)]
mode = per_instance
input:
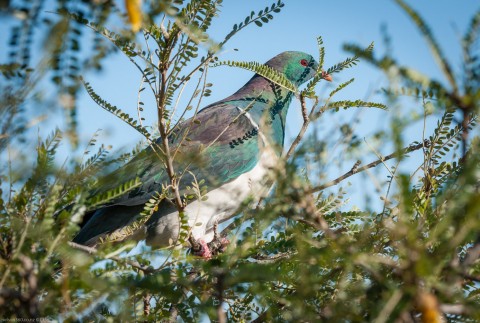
[(215, 147)]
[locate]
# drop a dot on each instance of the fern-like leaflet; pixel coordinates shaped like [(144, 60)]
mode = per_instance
[(116, 111), (263, 70)]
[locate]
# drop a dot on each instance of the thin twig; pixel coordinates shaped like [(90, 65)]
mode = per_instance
[(173, 311), (386, 201), (133, 264), (262, 259), (165, 143), (235, 224), (129, 57), (472, 254), (221, 315), (195, 113), (204, 77), (353, 171), (389, 306), (306, 121), (152, 64), (379, 157)]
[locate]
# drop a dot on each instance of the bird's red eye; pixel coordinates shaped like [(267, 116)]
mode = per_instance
[(304, 62)]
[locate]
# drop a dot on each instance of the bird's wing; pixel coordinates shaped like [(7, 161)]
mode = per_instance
[(217, 145)]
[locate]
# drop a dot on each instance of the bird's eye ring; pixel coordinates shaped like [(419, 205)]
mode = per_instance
[(304, 62)]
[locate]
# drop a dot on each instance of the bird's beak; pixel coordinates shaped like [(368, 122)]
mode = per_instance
[(327, 77)]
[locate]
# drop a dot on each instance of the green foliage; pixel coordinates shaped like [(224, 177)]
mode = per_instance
[(261, 17), (320, 74), (111, 195), (10, 70), (302, 254), (263, 70), (349, 61), (345, 104), (116, 111)]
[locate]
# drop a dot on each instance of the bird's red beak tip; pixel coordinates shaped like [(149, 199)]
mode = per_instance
[(327, 77)]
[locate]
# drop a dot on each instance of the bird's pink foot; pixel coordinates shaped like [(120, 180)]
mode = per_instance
[(200, 248), (207, 250), (204, 251)]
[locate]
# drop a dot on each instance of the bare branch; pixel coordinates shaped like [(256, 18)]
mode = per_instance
[(306, 121), (356, 169), (235, 224), (455, 309), (133, 264), (262, 259)]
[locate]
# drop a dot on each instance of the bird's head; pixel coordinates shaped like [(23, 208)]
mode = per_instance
[(298, 67)]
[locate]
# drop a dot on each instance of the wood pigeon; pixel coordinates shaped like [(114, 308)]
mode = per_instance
[(229, 146)]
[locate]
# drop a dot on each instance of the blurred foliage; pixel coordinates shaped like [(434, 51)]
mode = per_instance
[(302, 254)]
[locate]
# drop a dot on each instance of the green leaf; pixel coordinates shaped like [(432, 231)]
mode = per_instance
[(345, 104), (263, 70), (114, 110)]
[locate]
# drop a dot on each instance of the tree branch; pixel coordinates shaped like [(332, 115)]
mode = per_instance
[(236, 223), (263, 259), (134, 264), (356, 167), (306, 121), (472, 255), (221, 315), (173, 311)]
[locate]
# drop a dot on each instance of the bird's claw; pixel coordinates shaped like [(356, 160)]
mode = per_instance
[(218, 245), (207, 250), (200, 248)]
